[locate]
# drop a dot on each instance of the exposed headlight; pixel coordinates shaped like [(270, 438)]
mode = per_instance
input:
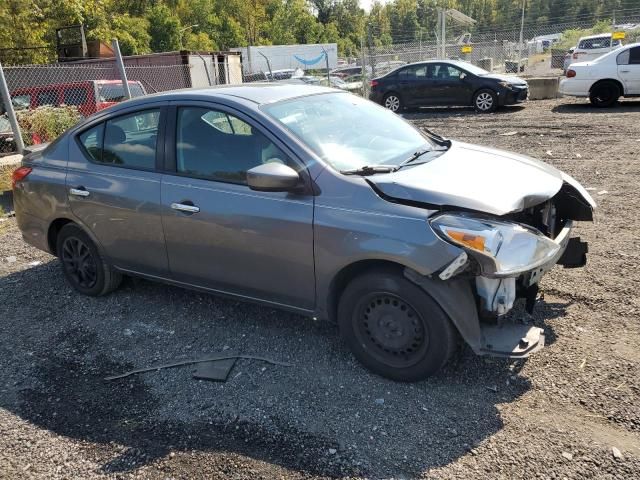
[(503, 249), (506, 85)]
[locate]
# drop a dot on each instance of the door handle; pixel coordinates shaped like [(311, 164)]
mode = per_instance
[(183, 207), (624, 71), (79, 192)]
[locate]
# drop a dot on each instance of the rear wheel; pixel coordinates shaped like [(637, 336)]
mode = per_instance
[(392, 102), (82, 263), (394, 328), (604, 94), (485, 101)]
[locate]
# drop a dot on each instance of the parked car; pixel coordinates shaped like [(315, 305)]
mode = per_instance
[(89, 96), (347, 71), (592, 47), (313, 200), (447, 83), (605, 79), (337, 82)]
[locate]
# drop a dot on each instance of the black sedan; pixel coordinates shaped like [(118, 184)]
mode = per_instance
[(447, 83)]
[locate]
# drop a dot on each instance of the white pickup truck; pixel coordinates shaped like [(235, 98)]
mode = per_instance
[(605, 79)]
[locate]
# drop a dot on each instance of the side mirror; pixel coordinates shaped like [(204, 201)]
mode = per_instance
[(463, 76), (272, 177)]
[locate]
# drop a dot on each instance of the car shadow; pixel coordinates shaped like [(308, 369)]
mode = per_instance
[(445, 112), (625, 106), (59, 347)]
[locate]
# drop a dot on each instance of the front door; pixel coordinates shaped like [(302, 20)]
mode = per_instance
[(629, 70), (450, 85), (114, 188), (222, 235)]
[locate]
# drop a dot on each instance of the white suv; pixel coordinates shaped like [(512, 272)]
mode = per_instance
[(606, 78), (592, 47)]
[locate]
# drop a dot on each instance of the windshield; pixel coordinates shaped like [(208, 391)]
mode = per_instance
[(349, 132)]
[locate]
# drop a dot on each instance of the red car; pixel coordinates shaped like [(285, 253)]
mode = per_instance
[(89, 96)]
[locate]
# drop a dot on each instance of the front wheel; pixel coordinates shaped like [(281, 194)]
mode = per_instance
[(485, 101), (392, 102), (604, 94), (394, 328)]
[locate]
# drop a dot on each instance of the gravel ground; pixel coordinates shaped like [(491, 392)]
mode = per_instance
[(571, 411)]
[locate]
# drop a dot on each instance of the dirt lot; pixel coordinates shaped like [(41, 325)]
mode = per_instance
[(557, 415)]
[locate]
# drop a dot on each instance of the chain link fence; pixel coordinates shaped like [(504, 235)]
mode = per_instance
[(49, 98), (528, 50)]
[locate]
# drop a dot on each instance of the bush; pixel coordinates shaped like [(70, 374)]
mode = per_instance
[(44, 124)]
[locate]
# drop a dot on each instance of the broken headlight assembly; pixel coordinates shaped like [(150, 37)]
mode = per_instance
[(501, 248)]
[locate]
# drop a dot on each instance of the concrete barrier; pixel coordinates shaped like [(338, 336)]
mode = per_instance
[(542, 88)]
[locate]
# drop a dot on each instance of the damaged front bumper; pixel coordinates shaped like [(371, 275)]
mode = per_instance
[(466, 301)]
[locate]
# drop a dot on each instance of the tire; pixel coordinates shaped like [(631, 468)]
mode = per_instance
[(485, 101), (82, 265), (392, 102), (604, 94), (394, 328)]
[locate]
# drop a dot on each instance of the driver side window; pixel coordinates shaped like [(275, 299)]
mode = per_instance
[(216, 145)]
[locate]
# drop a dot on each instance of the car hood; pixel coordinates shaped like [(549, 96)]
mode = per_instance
[(506, 78), (477, 178)]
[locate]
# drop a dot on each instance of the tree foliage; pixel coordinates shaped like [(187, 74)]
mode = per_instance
[(144, 26)]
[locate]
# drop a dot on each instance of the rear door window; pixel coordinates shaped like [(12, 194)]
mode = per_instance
[(634, 56), (75, 96), (131, 140), (128, 141), (91, 141), (46, 97)]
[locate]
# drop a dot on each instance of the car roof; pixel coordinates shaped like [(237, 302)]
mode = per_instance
[(259, 94), (590, 37)]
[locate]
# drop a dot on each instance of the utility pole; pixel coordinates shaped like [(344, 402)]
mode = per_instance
[(521, 38)]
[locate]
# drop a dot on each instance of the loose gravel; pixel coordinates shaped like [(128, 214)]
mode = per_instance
[(570, 411)]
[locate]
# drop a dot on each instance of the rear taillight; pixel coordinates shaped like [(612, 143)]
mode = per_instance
[(374, 83), (19, 174), (571, 73)]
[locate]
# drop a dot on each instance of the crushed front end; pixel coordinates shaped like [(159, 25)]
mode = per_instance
[(504, 258)]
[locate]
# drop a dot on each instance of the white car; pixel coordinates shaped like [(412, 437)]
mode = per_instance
[(591, 47), (605, 79)]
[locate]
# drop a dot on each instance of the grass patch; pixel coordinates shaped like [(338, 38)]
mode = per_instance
[(5, 177)]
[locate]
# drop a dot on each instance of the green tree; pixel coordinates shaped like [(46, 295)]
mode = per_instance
[(164, 28)]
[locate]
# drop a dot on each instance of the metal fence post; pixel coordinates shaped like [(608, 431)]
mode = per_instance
[(11, 114), (123, 73)]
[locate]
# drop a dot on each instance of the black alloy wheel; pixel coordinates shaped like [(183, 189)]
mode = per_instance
[(78, 262), (82, 265)]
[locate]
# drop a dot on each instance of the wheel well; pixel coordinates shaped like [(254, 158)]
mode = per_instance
[(54, 230), (610, 80), (482, 88), (348, 273), (392, 92)]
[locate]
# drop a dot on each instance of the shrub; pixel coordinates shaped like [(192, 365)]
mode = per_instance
[(44, 124)]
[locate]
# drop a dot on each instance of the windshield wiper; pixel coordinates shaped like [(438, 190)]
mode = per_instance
[(369, 170), (439, 140), (416, 156)]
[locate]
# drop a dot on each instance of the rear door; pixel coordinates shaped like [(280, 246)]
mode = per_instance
[(414, 85), (222, 235), (114, 187), (629, 70)]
